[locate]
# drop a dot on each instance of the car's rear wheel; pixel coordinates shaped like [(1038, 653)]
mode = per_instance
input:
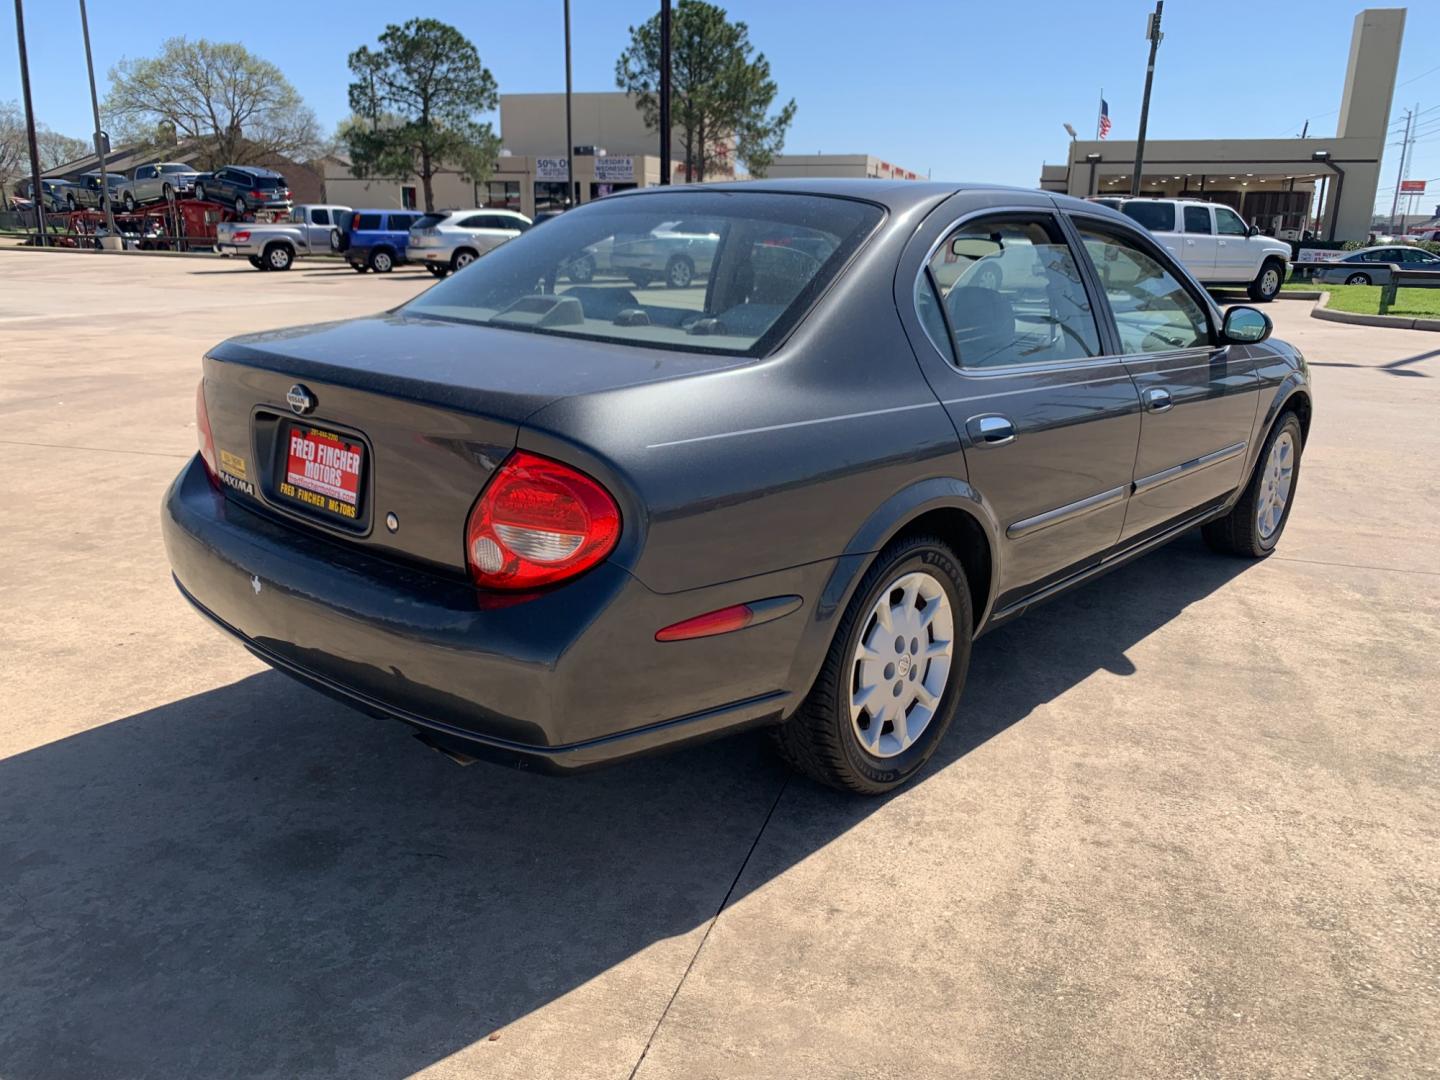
[(1253, 526), (279, 257), (891, 682), (436, 270), (640, 278), (200, 191), (359, 268), (581, 270), (1358, 279), (679, 272), (1267, 283), (381, 261), (70, 202), (462, 258), (167, 192)]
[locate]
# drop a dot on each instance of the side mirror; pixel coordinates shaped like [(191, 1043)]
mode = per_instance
[(1246, 326), (1253, 230)]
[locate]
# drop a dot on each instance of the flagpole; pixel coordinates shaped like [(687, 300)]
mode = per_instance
[(1098, 109)]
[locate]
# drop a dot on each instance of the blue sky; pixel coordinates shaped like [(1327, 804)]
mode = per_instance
[(972, 90)]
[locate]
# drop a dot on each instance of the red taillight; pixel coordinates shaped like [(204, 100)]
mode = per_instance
[(538, 522), (713, 622), (240, 237), (206, 436), (257, 194)]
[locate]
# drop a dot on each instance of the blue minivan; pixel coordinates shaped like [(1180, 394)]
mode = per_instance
[(376, 239)]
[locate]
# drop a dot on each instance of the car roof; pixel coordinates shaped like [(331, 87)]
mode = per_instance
[(893, 194), (254, 170)]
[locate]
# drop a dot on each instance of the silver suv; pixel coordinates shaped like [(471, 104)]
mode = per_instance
[(1213, 241), (453, 239)]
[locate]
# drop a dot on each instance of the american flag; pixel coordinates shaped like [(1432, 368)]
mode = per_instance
[(1104, 128)]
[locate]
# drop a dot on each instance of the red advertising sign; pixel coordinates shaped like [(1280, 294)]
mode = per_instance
[(1412, 187), (325, 464)]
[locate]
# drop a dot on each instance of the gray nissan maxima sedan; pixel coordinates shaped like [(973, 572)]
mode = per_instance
[(566, 523)]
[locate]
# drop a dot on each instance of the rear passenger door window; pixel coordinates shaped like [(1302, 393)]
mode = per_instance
[(1006, 291), (320, 217), (1197, 220), (1155, 216)]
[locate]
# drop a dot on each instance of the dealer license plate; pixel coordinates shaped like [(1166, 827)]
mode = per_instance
[(323, 470)]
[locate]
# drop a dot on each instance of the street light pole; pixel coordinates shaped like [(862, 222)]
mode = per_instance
[(1153, 33), (37, 189), (570, 199), (664, 91), (99, 135)]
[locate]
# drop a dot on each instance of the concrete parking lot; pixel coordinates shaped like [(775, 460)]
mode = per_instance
[(1187, 826)]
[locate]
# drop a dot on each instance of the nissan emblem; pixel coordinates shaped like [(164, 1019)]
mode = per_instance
[(300, 399)]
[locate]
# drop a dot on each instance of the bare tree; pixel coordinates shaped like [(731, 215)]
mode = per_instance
[(55, 149), (238, 107)]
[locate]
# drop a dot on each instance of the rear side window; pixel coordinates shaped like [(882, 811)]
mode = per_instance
[(1155, 216), (474, 221), (402, 222), (616, 270), (367, 222), (1008, 291), (267, 182), (1197, 220), (320, 217)]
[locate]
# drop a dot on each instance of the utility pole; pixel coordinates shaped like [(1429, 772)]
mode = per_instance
[(99, 135), (570, 199), (665, 91), (1152, 31), (37, 190), (1400, 176)]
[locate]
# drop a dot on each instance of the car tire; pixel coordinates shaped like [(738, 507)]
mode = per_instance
[(1253, 526), (679, 272), (381, 261), (70, 202), (128, 201), (1266, 285), (279, 257), (257, 262), (988, 277), (167, 193), (581, 271), (359, 268), (832, 736), (200, 192), (437, 270), (639, 278), (461, 259), (1358, 279)]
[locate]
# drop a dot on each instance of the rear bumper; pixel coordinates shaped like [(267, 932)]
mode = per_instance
[(560, 681)]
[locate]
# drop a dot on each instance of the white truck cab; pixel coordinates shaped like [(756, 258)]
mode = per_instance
[(1213, 242)]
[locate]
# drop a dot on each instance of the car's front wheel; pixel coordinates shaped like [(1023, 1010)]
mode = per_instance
[(679, 272), (129, 202), (1358, 279), (200, 192), (240, 206), (437, 270), (1266, 285), (1253, 526), (891, 682)]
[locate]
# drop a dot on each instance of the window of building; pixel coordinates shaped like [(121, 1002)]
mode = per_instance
[(1197, 220), (407, 198), (550, 195), (501, 194), (1008, 291), (1153, 311)]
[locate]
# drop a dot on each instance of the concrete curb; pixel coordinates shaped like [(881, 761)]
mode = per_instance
[(34, 250), (1398, 322)]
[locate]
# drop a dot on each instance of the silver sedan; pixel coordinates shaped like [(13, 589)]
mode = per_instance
[(1370, 265)]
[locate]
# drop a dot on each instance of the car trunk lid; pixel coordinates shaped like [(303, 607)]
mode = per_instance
[(402, 420)]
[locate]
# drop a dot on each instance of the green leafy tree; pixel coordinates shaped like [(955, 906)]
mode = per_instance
[(418, 100), (239, 108), (719, 92)]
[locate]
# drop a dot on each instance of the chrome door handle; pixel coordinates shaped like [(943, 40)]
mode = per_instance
[(1157, 399), (990, 430)]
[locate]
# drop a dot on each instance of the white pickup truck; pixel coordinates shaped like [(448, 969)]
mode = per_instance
[(1213, 242), (308, 230)]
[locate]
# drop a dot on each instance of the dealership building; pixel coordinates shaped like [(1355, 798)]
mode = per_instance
[(617, 151), (1273, 183)]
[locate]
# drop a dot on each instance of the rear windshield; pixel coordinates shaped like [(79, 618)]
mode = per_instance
[(429, 221), (367, 222), (1155, 216), (268, 181), (714, 272), (175, 168)]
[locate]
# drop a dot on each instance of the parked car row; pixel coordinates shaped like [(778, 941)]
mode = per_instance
[(243, 188)]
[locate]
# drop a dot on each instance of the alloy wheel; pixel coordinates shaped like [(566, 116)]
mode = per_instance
[(464, 259), (901, 664), (1275, 485), (1270, 281)]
